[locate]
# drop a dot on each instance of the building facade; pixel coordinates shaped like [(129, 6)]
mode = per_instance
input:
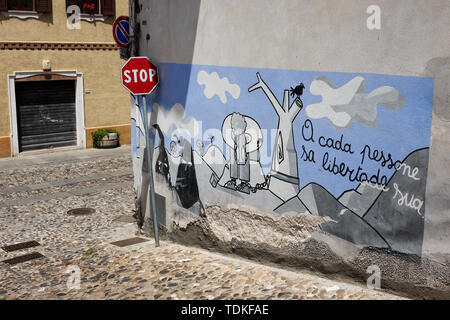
[(61, 74), (308, 133)]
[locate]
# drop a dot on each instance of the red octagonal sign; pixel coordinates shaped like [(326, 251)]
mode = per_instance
[(139, 75)]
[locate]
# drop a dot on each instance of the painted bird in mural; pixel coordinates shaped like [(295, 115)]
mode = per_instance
[(298, 90)]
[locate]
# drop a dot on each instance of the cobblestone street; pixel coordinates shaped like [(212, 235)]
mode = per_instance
[(35, 195)]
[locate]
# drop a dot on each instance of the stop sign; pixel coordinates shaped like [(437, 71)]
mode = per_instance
[(139, 75)]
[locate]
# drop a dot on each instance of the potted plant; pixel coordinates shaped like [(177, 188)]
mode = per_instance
[(105, 138)]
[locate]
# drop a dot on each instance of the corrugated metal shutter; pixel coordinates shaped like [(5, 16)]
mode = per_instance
[(46, 114)]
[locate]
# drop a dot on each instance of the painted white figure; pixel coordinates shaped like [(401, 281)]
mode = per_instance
[(239, 162), (244, 137), (284, 180)]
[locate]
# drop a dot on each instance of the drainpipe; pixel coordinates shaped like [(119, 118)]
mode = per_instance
[(134, 9)]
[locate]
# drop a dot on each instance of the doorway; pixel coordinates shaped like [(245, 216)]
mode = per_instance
[(46, 114)]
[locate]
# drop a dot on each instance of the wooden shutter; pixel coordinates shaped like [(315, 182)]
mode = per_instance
[(109, 7), (71, 2), (3, 5), (44, 5)]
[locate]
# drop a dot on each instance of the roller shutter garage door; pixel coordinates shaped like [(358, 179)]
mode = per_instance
[(46, 114)]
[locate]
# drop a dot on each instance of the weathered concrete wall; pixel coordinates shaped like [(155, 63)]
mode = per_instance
[(217, 59)]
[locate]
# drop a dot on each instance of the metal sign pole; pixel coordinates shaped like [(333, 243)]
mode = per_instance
[(150, 171)]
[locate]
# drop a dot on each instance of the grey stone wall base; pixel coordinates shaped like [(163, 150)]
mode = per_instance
[(406, 275)]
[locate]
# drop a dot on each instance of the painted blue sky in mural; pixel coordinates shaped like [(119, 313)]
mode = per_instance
[(399, 132)]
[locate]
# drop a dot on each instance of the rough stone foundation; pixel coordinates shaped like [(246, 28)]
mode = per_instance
[(296, 242)]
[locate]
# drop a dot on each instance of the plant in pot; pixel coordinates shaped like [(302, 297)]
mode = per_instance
[(105, 138)]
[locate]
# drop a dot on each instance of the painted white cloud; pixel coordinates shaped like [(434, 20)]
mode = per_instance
[(214, 85), (174, 118), (351, 102)]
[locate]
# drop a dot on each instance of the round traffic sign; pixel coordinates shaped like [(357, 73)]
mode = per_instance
[(121, 31), (139, 75)]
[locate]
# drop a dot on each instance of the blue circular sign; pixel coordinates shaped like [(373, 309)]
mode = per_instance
[(121, 31)]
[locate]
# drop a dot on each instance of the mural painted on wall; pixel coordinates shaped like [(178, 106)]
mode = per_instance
[(352, 147)]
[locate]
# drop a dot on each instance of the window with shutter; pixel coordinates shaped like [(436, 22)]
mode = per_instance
[(89, 6), (44, 5), (3, 5), (71, 3), (96, 7), (25, 9), (109, 7), (20, 5)]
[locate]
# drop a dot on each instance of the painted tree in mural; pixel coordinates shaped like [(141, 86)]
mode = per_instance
[(284, 180)]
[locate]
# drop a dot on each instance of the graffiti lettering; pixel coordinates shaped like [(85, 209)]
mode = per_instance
[(337, 145), (307, 155), (343, 170), (414, 203), (308, 127), (406, 167), (375, 186), (378, 156), (308, 135)]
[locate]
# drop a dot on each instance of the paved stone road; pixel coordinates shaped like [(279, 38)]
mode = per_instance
[(37, 190)]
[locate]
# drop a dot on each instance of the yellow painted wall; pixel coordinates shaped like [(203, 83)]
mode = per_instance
[(108, 104), (5, 146), (52, 27)]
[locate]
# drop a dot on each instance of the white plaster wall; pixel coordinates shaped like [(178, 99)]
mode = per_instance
[(321, 35)]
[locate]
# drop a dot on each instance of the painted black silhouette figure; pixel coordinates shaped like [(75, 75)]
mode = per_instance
[(297, 91), (162, 163), (186, 185)]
